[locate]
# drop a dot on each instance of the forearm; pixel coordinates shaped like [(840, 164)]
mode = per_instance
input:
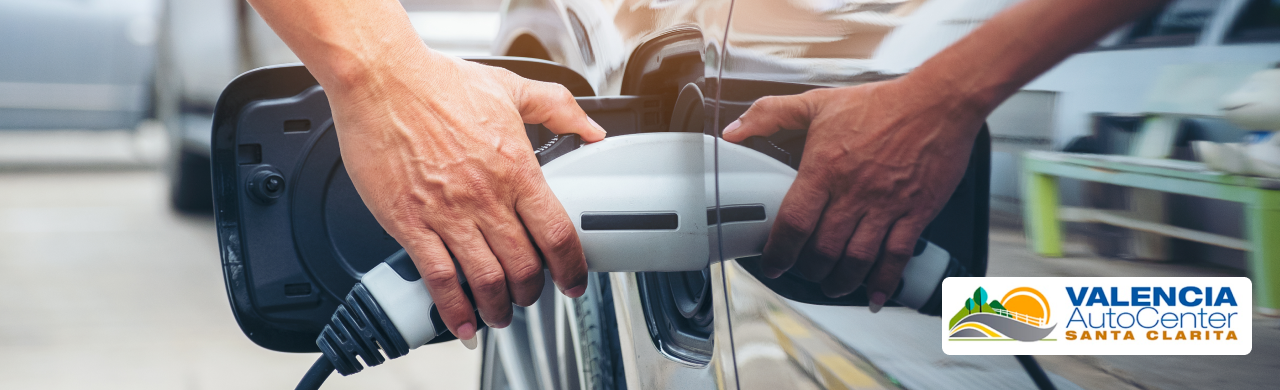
[(1014, 47), (344, 42)]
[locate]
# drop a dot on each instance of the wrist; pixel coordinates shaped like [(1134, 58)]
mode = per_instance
[(948, 86), (360, 67), (952, 99)]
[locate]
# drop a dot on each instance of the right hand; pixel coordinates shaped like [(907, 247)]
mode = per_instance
[(437, 150), (881, 160)]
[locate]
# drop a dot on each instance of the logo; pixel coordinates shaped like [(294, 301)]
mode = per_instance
[(1022, 314), (1098, 316)]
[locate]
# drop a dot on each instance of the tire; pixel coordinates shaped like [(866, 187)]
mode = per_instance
[(597, 337), (190, 180), (190, 183)]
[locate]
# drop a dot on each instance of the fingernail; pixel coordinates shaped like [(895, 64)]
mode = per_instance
[(597, 125), (732, 127), (467, 333), (773, 273), (576, 291), (499, 325), (470, 343), (877, 301)]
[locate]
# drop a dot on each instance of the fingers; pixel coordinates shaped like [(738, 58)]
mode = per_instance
[(770, 114), (887, 273), (520, 261), (859, 256), (483, 272), (827, 245), (796, 220), (437, 269), (556, 237), (552, 105)]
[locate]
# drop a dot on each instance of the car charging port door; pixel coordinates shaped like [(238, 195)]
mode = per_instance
[(293, 233)]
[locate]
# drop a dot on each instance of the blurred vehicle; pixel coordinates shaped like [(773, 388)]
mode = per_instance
[(1151, 65), (204, 44), (1118, 75), (1124, 67), (76, 64), (1176, 60), (721, 327)]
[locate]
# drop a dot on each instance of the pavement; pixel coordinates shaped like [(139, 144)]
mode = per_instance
[(103, 287)]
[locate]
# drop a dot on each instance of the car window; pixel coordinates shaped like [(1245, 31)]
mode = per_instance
[(1177, 24), (1258, 21)]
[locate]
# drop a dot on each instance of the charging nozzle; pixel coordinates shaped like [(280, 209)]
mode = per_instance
[(387, 314), (360, 328)]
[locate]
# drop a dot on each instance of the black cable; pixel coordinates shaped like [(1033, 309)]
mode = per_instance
[(316, 375), (1037, 374)]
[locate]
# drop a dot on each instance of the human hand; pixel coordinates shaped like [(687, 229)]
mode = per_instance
[(436, 148), (880, 161)]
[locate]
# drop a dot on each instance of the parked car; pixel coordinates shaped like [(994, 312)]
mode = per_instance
[(76, 64)]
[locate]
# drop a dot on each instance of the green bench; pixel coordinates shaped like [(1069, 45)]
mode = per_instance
[(1261, 196)]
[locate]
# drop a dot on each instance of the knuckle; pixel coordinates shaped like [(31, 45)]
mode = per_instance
[(860, 254), (526, 288), (488, 282), (827, 250), (454, 308), (525, 271), (560, 236), (562, 94), (440, 274), (899, 251), (792, 223)]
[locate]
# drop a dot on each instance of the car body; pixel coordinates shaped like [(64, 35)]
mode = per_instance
[(76, 64), (722, 327), (740, 51)]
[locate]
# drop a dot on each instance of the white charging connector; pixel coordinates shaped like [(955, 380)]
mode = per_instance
[(640, 203)]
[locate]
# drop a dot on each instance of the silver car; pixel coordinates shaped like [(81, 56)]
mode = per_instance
[(76, 64)]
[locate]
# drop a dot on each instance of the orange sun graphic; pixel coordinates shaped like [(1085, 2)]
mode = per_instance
[(1029, 302)]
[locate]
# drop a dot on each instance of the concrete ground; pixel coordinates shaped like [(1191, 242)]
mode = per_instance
[(103, 287)]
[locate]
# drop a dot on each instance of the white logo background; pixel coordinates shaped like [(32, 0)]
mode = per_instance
[(955, 291)]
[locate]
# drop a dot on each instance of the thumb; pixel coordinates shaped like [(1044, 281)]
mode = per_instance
[(770, 114), (552, 105)]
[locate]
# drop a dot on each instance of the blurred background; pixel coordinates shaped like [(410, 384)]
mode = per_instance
[(109, 264)]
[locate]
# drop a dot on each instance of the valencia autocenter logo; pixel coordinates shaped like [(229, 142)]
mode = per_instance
[(1022, 314), (1097, 316)]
